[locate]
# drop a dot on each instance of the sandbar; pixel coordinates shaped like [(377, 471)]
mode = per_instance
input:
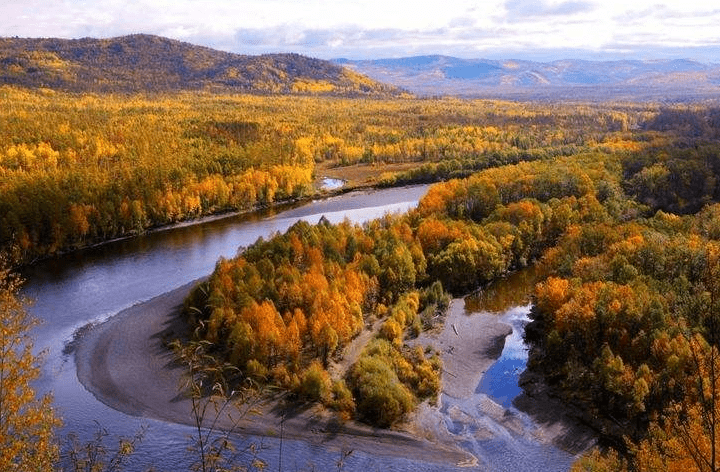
[(125, 363)]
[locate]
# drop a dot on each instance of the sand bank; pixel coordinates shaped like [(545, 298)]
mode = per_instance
[(126, 364)]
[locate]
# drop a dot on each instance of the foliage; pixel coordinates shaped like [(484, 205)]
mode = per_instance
[(154, 64), (620, 217), (686, 436), (298, 299), (382, 398), (315, 384), (76, 171), (94, 455), (27, 423), (81, 169), (625, 326), (295, 300), (216, 409), (597, 461), (388, 379)]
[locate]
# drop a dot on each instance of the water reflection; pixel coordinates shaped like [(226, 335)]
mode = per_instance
[(500, 382), (510, 299), (90, 285), (514, 290), (487, 424), (74, 289), (328, 183)]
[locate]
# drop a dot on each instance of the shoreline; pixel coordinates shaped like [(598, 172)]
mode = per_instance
[(125, 363), (223, 213), (209, 217)]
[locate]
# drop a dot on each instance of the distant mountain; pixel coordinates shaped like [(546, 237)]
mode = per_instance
[(144, 63), (569, 79)]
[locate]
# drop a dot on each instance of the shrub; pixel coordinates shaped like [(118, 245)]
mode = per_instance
[(381, 398), (256, 371), (392, 331), (343, 400), (315, 383)]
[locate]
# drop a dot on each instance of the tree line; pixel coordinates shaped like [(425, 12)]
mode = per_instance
[(76, 170), (617, 210), (624, 324)]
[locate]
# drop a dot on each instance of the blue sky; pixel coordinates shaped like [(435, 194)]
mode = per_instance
[(360, 29)]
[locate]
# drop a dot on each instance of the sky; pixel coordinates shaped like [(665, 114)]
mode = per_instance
[(370, 29)]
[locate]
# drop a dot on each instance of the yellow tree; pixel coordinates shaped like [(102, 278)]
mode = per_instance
[(686, 438), (27, 423), (693, 426)]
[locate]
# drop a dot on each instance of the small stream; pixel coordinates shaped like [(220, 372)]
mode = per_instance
[(487, 424), (498, 434), (500, 382), (328, 183)]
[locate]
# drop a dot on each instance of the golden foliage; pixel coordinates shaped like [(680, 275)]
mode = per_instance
[(123, 164), (27, 423)]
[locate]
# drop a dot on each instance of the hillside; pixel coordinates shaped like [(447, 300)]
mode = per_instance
[(144, 63), (567, 79)]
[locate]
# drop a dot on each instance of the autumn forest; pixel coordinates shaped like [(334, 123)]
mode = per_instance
[(617, 204)]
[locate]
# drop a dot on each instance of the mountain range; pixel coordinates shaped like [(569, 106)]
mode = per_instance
[(565, 79), (146, 63)]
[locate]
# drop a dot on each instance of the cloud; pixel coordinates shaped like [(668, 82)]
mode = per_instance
[(462, 22), (356, 42), (254, 37), (522, 9), (294, 36), (378, 28), (620, 50)]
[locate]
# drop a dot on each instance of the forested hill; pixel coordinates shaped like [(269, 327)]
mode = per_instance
[(144, 63)]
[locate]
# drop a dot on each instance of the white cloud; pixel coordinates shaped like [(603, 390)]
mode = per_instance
[(369, 28), (519, 9)]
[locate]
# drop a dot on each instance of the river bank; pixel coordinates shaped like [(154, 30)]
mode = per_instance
[(126, 364), (353, 178), (471, 341)]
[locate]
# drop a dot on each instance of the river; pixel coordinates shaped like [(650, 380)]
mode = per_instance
[(89, 286)]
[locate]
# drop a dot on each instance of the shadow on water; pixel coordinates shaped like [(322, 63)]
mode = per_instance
[(510, 299), (514, 290)]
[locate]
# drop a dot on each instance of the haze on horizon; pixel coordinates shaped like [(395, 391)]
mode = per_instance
[(541, 30)]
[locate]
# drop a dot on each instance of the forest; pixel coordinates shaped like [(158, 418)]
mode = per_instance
[(624, 323), (76, 170), (617, 204), (144, 63), (284, 306)]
